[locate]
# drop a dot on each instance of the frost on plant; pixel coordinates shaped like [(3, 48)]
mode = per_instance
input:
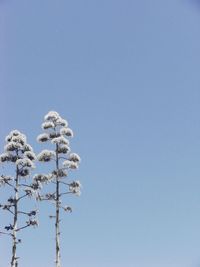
[(22, 157), (57, 132)]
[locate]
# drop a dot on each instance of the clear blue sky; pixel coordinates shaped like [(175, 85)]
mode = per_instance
[(125, 74)]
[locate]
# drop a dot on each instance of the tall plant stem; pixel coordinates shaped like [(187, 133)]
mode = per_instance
[(14, 262), (57, 224)]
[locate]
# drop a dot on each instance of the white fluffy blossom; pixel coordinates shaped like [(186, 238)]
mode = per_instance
[(47, 125), (12, 134), (46, 155), (16, 141), (25, 163), (55, 119), (19, 139), (74, 157), (59, 173), (42, 178), (64, 149), (11, 146), (51, 115), (27, 147), (61, 122), (66, 131), (60, 140), (4, 157), (70, 164), (75, 187), (43, 137), (30, 155), (19, 152)]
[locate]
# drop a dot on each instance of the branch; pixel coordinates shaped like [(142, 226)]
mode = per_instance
[(65, 193), (50, 196), (22, 197), (22, 227), (25, 185), (29, 223), (62, 158), (3, 233), (9, 184), (31, 213), (10, 211), (6, 207), (64, 183)]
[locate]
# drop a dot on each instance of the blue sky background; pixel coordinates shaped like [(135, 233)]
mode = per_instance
[(125, 74)]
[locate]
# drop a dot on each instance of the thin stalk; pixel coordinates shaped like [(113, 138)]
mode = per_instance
[(57, 224), (14, 262)]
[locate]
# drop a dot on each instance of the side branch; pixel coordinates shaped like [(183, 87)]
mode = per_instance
[(22, 197), (4, 233), (65, 193)]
